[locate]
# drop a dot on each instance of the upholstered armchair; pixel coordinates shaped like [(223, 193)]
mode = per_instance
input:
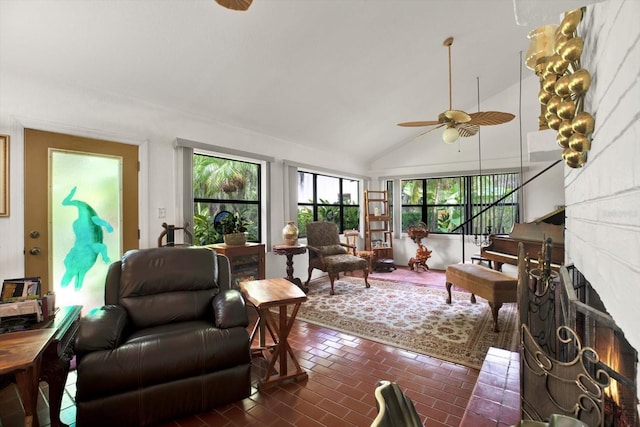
[(327, 253), (170, 341)]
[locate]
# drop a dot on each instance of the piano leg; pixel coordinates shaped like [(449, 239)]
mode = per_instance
[(498, 265)]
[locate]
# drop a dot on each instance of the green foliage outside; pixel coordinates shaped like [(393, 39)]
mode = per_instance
[(327, 212), (219, 179)]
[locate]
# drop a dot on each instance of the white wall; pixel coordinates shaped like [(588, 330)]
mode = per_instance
[(74, 110), (603, 197)]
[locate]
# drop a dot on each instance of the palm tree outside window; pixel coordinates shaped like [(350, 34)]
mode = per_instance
[(224, 185)]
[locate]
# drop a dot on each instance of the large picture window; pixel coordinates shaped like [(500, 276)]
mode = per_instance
[(327, 198), (224, 185), (443, 204)]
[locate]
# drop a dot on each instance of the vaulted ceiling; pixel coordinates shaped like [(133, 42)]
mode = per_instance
[(322, 73)]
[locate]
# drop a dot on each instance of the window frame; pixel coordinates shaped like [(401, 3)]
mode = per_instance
[(314, 206), (258, 203), (467, 206)]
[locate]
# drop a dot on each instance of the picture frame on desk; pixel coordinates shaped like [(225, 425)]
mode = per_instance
[(4, 175)]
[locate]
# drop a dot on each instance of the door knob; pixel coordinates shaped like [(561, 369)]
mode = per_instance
[(34, 251), (34, 234)]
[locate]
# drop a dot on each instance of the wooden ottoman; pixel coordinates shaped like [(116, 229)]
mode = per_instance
[(494, 286)]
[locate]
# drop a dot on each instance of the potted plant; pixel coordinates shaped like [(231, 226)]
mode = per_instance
[(234, 229)]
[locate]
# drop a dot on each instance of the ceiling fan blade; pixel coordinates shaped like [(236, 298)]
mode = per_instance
[(427, 131), (457, 116), (419, 124), (488, 118), (465, 129), (235, 4)]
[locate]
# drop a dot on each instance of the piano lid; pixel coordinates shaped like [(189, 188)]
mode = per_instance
[(555, 217)]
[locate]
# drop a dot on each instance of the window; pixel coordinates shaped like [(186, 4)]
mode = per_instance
[(219, 185), (487, 189), (327, 198), (443, 204)]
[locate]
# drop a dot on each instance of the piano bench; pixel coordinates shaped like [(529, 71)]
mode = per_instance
[(494, 286)]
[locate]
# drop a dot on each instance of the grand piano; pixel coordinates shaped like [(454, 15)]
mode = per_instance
[(504, 249)]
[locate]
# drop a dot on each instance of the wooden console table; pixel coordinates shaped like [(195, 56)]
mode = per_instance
[(264, 295), (41, 353)]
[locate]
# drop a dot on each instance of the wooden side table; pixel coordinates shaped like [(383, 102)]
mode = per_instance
[(22, 357), (264, 295), (289, 251), (51, 365)]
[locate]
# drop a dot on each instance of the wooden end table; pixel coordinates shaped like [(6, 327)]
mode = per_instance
[(290, 251), (41, 353), (264, 295), (21, 356)]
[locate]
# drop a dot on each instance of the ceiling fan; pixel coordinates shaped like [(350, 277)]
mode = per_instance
[(459, 123), (241, 5)]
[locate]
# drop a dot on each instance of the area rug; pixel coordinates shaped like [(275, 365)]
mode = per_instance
[(414, 318)]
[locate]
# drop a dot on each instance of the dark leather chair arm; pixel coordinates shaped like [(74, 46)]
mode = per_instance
[(102, 328), (230, 310)]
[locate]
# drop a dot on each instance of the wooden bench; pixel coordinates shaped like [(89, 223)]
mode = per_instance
[(494, 286)]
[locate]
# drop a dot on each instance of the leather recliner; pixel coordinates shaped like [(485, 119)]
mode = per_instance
[(171, 340)]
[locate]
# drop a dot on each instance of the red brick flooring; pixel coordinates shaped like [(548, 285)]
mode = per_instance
[(343, 373)]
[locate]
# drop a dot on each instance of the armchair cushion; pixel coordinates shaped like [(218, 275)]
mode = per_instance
[(161, 355), (344, 262), (332, 250), (157, 289)]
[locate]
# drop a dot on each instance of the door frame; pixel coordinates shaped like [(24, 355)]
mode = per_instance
[(17, 179)]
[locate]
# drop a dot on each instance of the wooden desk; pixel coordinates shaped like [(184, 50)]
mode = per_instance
[(21, 355), (54, 359), (289, 251), (264, 295)]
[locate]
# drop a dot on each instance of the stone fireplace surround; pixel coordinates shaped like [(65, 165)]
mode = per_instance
[(602, 237)]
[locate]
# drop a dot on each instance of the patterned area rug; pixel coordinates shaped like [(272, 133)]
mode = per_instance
[(414, 318)]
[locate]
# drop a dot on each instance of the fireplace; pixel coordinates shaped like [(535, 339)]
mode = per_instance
[(575, 360)]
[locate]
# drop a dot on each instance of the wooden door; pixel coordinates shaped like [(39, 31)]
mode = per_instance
[(81, 212)]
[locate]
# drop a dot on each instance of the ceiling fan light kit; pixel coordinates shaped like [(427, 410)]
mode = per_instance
[(458, 123), (450, 135), (554, 55)]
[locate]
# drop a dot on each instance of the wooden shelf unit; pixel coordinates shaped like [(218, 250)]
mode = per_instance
[(377, 224)]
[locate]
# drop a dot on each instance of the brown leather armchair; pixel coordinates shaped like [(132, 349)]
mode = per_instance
[(327, 253), (170, 341)]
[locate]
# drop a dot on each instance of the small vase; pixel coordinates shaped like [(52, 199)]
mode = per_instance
[(290, 234)]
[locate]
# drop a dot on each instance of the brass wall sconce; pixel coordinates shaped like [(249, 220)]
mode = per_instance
[(554, 55)]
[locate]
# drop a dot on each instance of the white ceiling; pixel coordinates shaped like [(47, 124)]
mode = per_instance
[(336, 74)]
